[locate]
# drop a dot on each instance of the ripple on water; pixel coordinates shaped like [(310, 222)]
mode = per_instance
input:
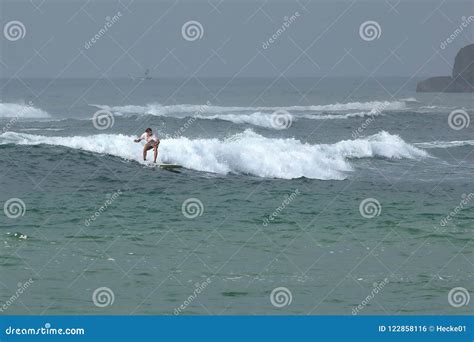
[(234, 293)]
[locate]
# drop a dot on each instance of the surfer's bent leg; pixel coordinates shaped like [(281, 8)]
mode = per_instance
[(148, 146), (155, 149)]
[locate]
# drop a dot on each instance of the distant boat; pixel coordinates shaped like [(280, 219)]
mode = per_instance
[(146, 76)]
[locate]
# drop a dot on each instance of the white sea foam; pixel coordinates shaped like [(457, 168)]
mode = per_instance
[(267, 120), (18, 110), (41, 129), (409, 99), (157, 109), (445, 144), (244, 153), (259, 116)]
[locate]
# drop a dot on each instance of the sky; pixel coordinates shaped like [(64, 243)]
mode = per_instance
[(231, 38)]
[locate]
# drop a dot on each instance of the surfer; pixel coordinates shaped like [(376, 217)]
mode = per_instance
[(152, 142)]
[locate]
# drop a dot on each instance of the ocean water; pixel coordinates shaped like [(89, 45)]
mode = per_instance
[(303, 196)]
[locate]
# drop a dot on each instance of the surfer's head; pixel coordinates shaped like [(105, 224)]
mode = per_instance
[(148, 131)]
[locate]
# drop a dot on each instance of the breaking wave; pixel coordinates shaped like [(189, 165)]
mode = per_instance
[(243, 153)]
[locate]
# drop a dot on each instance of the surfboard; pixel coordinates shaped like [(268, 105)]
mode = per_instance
[(165, 166), (169, 166)]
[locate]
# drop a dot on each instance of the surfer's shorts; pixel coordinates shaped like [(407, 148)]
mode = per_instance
[(149, 145)]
